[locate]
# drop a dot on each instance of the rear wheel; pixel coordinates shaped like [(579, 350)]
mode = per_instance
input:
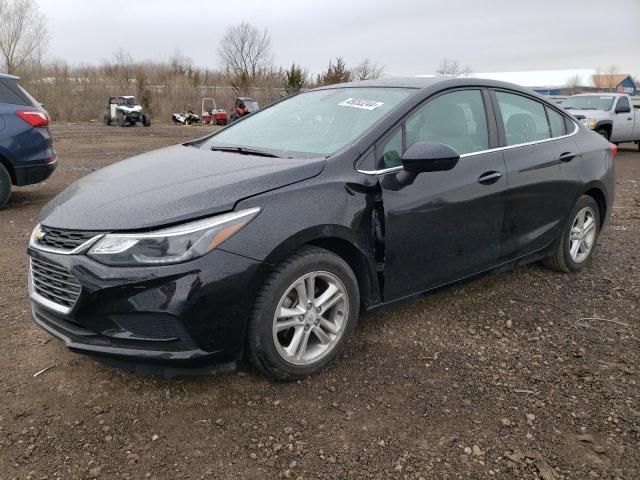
[(5, 186), (579, 238), (303, 315), (107, 119)]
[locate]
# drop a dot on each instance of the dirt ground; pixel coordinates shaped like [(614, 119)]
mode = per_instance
[(508, 376)]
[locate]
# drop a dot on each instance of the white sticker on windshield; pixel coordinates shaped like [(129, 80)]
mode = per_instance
[(606, 98), (361, 103)]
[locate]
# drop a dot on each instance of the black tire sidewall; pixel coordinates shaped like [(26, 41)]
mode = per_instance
[(5, 186), (584, 201), (263, 316), (603, 133)]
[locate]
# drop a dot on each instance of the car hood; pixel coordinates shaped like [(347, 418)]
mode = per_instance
[(169, 186), (588, 113)]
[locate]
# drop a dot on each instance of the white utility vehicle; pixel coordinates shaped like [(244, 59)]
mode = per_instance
[(125, 110)]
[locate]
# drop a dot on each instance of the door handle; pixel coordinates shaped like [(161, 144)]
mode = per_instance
[(566, 156), (489, 177)]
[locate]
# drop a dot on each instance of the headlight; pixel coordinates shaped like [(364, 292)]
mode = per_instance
[(170, 245), (589, 123)]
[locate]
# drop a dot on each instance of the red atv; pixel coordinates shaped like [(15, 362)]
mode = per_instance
[(244, 106)]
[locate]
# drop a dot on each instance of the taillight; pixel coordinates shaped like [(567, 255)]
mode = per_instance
[(34, 118), (614, 150)]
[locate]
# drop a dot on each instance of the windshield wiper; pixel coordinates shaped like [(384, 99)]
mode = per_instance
[(244, 151)]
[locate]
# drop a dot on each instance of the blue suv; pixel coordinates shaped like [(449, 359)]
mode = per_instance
[(26, 149)]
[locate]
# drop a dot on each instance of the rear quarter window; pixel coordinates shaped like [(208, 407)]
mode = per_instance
[(12, 93)]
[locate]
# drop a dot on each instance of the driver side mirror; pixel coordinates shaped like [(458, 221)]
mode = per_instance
[(423, 157), (429, 157)]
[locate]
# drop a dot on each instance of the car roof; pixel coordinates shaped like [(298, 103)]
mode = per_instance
[(6, 75), (431, 84)]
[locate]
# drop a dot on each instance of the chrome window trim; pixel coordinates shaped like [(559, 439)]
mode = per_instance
[(481, 152), (45, 302)]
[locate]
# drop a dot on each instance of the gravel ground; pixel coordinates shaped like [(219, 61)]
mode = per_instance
[(507, 376)]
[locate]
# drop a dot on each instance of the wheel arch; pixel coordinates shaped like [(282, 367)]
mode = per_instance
[(596, 191), (605, 125), (338, 240), (4, 161)]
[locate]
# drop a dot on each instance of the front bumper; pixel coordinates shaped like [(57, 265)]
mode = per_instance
[(188, 315)]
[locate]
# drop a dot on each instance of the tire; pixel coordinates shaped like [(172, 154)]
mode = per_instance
[(107, 119), (120, 119), (562, 259), (604, 133), (267, 351), (5, 186), (146, 121)]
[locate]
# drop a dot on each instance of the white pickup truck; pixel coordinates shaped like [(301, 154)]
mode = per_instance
[(612, 115)]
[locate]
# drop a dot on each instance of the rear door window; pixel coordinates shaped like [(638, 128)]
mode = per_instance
[(524, 119)]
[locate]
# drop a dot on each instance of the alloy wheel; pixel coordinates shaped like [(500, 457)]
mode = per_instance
[(310, 318), (583, 235)]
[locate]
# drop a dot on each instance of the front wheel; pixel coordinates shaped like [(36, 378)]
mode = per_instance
[(120, 119), (303, 315), (604, 133), (579, 238), (146, 121)]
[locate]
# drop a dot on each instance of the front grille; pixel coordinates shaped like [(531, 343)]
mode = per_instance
[(64, 239), (54, 283)]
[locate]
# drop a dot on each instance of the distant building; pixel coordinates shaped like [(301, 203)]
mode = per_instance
[(564, 82), (621, 83)]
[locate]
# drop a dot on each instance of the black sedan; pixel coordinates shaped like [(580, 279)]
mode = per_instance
[(266, 240)]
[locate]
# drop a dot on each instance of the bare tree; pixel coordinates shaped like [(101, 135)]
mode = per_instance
[(180, 63), (452, 68), (573, 83), (23, 33), (123, 64), (368, 70), (245, 50), (612, 70)]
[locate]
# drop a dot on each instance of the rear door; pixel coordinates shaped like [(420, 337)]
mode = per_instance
[(445, 225), (542, 161)]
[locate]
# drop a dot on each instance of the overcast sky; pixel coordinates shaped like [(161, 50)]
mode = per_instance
[(409, 37)]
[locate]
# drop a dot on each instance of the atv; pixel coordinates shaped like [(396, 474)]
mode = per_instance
[(185, 118), (243, 106), (125, 110)]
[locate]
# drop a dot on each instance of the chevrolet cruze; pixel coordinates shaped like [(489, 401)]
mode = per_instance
[(265, 240)]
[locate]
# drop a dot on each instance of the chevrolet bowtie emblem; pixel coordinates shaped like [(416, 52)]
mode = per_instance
[(40, 234)]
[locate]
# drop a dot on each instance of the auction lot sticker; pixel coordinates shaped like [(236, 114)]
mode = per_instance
[(361, 103)]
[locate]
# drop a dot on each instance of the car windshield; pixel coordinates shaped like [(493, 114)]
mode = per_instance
[(316, 123), (130, 101), (251, 105), (589, 102)]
